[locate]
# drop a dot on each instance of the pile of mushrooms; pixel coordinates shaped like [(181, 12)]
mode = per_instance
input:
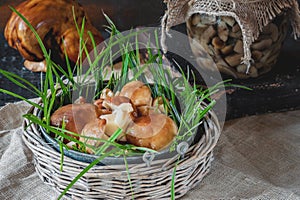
[(221, 37), (143, 120)]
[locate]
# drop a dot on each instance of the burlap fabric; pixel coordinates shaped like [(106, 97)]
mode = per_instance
[(251, 15), (257, 157)]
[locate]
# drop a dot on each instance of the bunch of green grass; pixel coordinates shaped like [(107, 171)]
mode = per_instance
[(53, 87)]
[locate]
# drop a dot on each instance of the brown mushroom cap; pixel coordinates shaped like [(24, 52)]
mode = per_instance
[(75, 116), (106, 93), (155, 131), (93, 129), (138, 92), (117, 100), (113, 102), (54, 22)]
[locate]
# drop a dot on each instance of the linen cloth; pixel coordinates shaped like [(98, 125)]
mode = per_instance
[(257, 157)]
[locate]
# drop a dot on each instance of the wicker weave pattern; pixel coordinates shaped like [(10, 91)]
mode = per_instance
[(111, 182)]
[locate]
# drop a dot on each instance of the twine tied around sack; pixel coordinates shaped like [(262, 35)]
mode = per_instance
[(251, 15)]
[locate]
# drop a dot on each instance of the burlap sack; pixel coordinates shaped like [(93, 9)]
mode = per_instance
[(251, 15)]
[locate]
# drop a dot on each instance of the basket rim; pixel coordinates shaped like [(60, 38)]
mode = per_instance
[(213, 123), (80, 156)]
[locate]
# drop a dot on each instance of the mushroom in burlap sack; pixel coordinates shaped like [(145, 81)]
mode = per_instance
[(243, 37)]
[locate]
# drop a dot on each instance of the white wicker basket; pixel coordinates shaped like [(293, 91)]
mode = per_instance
[(111, 182)]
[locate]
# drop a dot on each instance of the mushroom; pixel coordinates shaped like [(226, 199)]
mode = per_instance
[(155, 131), (139, 94), (112, 102), (106, 93), (218, 43), (234, 59), (80, 100), (93, 129), (53, 20), (227, 49), (196, 19), (75, 116), (223, 31), (123, 111), (228, 20), (208, 34), (263, 44)]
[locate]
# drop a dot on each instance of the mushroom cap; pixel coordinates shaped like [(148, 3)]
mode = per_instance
[(155, 131), (93, 129), (113, 103), (53, 20), (138, 93), (106, 93), (116, 101), (75, 116), (143, 110)]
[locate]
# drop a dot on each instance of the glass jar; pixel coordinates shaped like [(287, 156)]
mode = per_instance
[(221, 38)]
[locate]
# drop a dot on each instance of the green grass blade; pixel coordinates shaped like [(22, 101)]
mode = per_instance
[(85, 170), (43, 48), (38, 121), (61, 155), (21, 98), (111, 139), (128, 175), (101, 151), (16, 80), (173, 181)]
